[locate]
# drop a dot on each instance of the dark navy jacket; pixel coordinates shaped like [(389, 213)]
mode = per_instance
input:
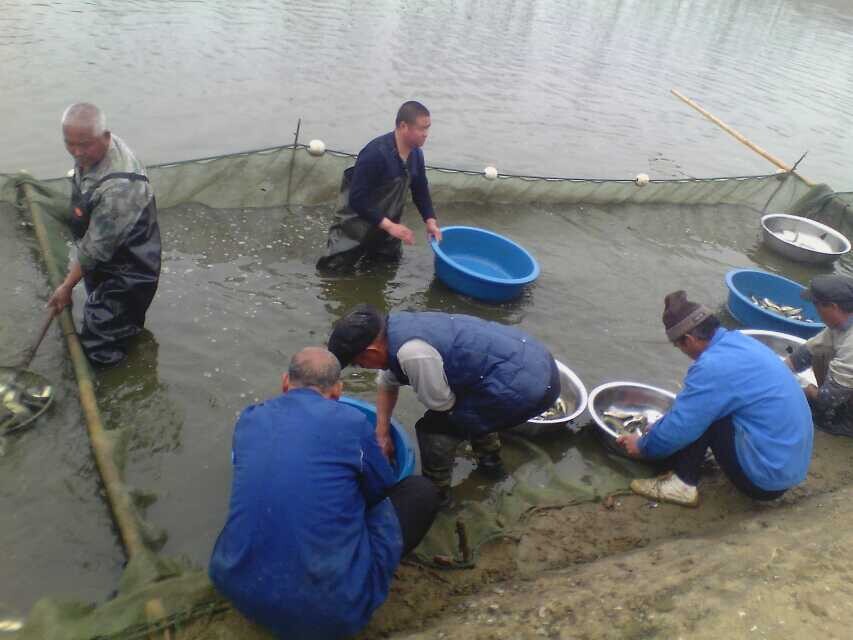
[(500, 375), (311, 543), (379, 163)]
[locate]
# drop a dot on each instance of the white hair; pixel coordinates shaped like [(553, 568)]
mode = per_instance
[(87, 115)]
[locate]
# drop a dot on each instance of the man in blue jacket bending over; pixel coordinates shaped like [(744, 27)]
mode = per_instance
[(475, 378), (739, 399), (316, 525)]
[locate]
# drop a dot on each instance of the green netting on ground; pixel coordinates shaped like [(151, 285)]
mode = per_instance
[(289, 176)]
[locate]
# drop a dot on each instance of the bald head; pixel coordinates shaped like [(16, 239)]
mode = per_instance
[(314, 367), (84, 129)]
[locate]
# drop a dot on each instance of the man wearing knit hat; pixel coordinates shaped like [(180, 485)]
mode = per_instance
[(739, 399), (830, 354)]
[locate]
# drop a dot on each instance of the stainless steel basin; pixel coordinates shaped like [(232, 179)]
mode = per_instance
[(784, 344), (628, 397), (803, 239), (574, 395)]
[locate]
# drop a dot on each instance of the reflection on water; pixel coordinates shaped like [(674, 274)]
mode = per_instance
[(549, 87)]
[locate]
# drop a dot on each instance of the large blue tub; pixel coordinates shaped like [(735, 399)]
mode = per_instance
[(404, 455), (743, 283), (483, 264)]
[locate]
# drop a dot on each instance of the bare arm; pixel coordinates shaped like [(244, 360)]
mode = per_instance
[(61, 298), (386, 400)]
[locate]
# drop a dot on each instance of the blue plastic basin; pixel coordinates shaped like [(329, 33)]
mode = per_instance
[(483, 264), (743, 283), (404, 455)]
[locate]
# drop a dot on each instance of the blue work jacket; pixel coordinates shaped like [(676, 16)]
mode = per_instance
[(740, 377), (311, 541)]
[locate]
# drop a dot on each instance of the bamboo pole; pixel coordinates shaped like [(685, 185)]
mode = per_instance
[(118, 497), (740, 137)]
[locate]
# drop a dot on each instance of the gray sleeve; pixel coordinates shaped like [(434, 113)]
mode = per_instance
[(801, 359), (424, 367)]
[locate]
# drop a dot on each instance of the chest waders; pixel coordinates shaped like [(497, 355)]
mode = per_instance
[(119, 291), (351, 237)]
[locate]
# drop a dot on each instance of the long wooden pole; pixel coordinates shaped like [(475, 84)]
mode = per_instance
[(118, 496), (740, 137)]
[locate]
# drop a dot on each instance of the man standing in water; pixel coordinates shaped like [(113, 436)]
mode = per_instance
[(830, 354), (373, 194), (475, 378), (317, 523), (739, 399), (113, 218)]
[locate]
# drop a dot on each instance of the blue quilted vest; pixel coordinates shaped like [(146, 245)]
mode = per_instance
[(500, 375)]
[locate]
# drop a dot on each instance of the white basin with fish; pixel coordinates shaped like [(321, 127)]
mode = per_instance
[(622, 398), (803, 239), (574, 400), (784, 344)]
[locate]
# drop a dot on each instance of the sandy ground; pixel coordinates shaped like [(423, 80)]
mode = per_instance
[(630, 568)]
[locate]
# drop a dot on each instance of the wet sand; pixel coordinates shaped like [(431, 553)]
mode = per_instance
[(630, 568)]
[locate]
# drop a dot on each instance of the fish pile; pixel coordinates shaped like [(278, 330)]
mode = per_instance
[(558, 410), (625, 423), (19, 404), (792, 313)]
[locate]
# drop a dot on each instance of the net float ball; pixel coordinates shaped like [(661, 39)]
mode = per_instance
[(490, 172), (642, 179), (316, 147)]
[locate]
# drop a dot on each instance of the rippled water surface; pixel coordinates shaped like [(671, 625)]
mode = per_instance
[(559, 88)]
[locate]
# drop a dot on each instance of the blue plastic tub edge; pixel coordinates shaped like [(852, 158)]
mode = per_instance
[(768, 320), (404, 454), (478, 276)]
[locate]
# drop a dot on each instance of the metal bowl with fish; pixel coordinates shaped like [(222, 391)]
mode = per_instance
[(784, 345), (622, 408), (24, 396), (570, 404), (803, 239)]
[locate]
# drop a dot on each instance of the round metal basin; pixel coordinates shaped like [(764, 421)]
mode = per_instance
[(572, 392), (783, 344), (803, 239), (627, 397)]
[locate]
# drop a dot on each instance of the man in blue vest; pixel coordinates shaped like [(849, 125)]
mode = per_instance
[(740, 400), (373, 195), (113, 218), (475, 378), (316, 524)]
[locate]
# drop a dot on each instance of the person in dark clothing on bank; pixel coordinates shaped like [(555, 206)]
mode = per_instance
[(373, 194)]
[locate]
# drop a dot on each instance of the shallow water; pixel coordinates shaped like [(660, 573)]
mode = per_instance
[(545, 88)]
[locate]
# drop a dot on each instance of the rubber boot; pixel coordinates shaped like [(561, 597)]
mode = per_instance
[(437, 454), (487, 450)]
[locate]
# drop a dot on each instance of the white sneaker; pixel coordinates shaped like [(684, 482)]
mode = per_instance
[(667, 488)]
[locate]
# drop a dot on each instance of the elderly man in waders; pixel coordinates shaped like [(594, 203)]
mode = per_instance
[(113, 218), (830, 355), (739, 399), (373, 194), (476, 378)]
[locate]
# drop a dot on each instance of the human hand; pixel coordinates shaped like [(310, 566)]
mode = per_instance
[(401, 232), (60, 299), (386, 443), (433, 230), (629, 443)]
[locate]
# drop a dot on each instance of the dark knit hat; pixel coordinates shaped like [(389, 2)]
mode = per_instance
[(830, 288), (353, 333), (681, 316)]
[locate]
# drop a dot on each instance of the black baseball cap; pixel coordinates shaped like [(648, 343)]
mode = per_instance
[(831, 288), (353, 333)]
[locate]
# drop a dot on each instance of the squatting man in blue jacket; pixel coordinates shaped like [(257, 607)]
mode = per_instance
[(475, 378), (316, 524), (740, 399)]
